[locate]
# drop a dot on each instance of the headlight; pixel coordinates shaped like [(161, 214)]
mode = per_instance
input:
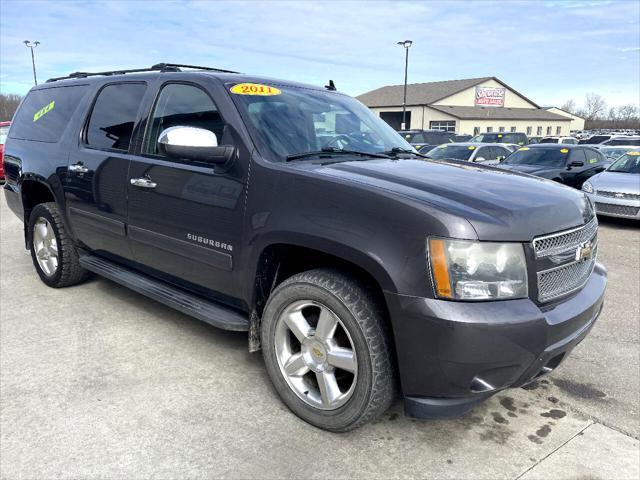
[(469, 270), (587, 187)]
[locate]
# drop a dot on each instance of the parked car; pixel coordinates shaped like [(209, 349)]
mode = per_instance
[(4, 130), (461, 138), (425, 140), (564, 140), (347, 257), (622, 140), (616, 191), (486, 153), (571, 165), (502, 137), (613, 153), (594, 139)]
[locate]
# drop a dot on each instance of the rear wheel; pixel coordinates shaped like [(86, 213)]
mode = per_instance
[(52, 250), (327, 351)]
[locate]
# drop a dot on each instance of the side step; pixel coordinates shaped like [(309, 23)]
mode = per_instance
[(210, 312)]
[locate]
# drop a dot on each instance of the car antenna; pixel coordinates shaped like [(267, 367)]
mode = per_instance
[(331, 86)]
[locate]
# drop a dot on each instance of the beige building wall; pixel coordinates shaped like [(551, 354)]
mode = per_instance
[(577, 123), (420, 116), (539, 128), (466, 98)]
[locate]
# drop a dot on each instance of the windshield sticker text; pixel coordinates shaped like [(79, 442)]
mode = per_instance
[(254, 89)]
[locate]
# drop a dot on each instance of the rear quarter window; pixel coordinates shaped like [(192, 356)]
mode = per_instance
[(45, 113)]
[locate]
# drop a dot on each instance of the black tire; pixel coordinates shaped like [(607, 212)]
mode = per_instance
[(69, 272), (362, 316)]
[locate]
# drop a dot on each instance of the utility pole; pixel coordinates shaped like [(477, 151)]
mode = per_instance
[(31, 46), (406, 44)]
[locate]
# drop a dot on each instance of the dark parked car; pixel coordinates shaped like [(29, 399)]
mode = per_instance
[(425, 140), (568, 164), (501, 137), (293, 213)]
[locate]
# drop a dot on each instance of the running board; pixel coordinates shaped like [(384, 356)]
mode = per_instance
[(210, 312)]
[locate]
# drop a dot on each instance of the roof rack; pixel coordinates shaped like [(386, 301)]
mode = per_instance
[(159, 67)]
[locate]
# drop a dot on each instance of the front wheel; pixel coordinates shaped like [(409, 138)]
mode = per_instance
[(327, 350)]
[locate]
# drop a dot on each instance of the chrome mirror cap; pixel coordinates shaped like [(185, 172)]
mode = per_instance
[(181, 136)]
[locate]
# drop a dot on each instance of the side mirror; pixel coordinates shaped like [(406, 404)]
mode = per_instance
[(195, 144), (576, 164)]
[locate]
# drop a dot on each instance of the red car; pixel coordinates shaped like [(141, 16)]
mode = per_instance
[(4, 130)]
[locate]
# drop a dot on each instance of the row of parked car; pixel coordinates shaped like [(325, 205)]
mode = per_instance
[(608, 172)]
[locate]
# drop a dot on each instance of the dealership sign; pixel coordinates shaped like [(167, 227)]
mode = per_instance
[(490, 96)]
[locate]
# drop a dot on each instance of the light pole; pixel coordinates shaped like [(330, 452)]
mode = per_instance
[(31, 46), (406, 44)]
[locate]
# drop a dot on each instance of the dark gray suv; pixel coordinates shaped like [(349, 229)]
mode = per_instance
[(293, 213)]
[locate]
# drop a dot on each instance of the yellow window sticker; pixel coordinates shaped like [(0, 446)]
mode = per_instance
[(44, 110), (499, 136), (564, 150), (633, 153), (418, 147), (593, 160), (523, 149), (472, 147), (254, 89)]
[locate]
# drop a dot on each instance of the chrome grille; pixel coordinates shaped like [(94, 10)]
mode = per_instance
[(564, 279), (617, 209), (620, 195), (564, 241)]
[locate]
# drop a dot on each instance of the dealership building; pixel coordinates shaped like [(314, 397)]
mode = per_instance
[(471, 106)]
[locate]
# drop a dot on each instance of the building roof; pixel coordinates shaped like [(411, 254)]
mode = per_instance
[(501, 113), (568, 113), (424, 93), (417, 93)]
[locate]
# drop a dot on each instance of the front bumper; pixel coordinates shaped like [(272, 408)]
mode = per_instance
[(616, 207), (453, 355)]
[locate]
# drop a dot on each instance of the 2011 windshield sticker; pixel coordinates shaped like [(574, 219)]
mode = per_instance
[(43, 111), (254, 89)]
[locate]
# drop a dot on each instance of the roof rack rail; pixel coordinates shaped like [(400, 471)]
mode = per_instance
[(159, 67)]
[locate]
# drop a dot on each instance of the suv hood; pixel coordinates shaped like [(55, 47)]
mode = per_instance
[(500, 205)]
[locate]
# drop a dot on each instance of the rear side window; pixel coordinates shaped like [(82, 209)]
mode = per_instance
[(594, 156), (114, 116), (45, 113)]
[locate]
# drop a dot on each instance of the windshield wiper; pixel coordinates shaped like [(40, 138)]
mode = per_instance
[(396, 150), (330, 151)]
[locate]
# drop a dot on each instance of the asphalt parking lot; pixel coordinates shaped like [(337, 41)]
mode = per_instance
[(97, 381)]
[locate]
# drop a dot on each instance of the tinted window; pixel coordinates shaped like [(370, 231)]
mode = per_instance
[(45, 113), (593, 156), (596, 139), (483, 152), (570, 141), (183, 105), (436, 138), (519, 138), (578, 155), (549, 140), (417, 138), (114, 115), (549, 157)]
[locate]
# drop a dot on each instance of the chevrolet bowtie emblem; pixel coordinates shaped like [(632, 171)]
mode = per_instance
[(584, 252)]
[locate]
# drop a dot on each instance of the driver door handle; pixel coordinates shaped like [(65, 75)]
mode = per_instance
[(78, 168), (143, 182)]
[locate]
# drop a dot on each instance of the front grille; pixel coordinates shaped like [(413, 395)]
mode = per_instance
[(564, 241), (620, 195), (557, 278), (564, 279), (617, 209)]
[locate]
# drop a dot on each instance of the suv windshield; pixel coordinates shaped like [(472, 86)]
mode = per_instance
[(297, 120), (548, 157), (628, 163), (458, 152)]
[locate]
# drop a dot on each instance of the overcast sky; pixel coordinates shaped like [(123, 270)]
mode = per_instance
[(549, 51)]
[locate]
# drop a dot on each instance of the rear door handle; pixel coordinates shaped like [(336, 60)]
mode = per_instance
[(143, 182), (78, 168)]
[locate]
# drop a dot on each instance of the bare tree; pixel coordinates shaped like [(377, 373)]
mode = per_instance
[(628, 112), (594, 106), (613, 114), (8, 105), (569, 106)]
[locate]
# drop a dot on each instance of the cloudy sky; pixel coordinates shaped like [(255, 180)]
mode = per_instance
[(549, 50)]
